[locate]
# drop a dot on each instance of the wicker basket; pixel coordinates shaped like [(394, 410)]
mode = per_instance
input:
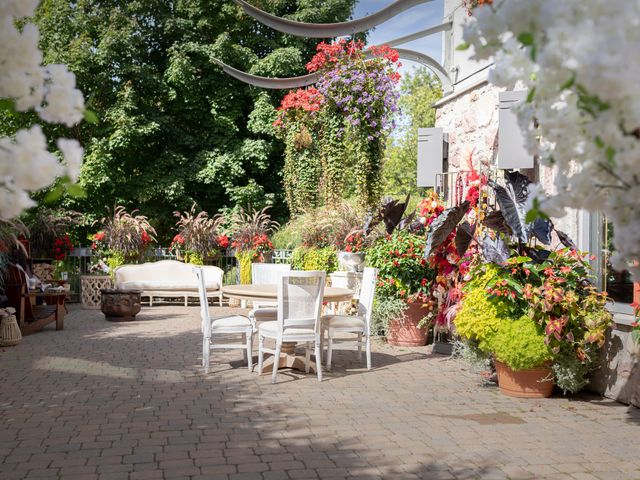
[(9, 331)]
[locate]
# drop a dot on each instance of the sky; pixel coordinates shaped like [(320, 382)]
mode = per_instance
[(409, 21)]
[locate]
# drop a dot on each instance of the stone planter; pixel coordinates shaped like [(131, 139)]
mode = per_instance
[(404, 332), (91, 286), (530, 383), (120, 305), (351, 262)]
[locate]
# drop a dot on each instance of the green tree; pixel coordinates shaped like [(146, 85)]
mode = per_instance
[(174, 128), (419, 91)]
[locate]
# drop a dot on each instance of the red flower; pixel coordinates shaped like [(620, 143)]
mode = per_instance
[(222, 241), (99, 236)]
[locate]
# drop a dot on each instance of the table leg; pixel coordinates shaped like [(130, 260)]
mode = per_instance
[(288, 359)]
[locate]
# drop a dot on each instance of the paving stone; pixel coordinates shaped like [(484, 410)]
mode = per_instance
[(130, 401)]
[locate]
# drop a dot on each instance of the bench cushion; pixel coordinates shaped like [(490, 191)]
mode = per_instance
[(162, 285)]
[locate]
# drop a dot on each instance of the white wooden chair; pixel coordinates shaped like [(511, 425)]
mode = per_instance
[(299, 309), (262, 274), (359, 324), (221, 327)]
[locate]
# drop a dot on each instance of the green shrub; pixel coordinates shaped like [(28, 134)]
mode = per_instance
[(402, 271), (288, 237), (304, 258), (480, 315), (193, 258), (520, 344), (384, 310)]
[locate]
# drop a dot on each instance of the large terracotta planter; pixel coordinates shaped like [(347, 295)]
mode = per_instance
[(119, 305), (404, 332), (531, 383)]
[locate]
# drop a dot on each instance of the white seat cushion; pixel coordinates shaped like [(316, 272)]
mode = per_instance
[(270, 329), (343, 321), (231, 321), (165, 285), (263, 314)]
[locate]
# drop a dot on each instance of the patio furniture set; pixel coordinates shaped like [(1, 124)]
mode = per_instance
[(287, 309)]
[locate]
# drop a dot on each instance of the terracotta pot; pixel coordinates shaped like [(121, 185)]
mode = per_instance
[(119, 305), (528, 383), (404, 332)]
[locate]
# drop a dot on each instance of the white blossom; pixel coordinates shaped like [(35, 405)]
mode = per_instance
[(26, 165), (578, 59)]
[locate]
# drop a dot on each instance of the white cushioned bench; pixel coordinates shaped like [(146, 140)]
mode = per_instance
[(168, 278)]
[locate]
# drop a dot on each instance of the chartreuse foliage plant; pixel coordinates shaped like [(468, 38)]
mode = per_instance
[(314, 258), (520, 344), (480, 316)]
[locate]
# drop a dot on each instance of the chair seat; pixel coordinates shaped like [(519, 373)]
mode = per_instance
[(263, 314), (270, 329), (238, 321), (343, 322)]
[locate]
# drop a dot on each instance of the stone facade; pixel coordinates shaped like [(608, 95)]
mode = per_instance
[(471, 122)]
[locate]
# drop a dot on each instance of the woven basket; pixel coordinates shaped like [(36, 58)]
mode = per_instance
[(9, 331)]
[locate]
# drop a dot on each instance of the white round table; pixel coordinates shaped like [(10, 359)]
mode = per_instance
[(269, 292)]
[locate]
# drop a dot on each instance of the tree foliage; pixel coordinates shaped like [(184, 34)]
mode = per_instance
[(173, 128), (419, 91)]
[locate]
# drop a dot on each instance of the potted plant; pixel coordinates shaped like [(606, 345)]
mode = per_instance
[(250, 233), (556, 299), (123, 238), (46, 227), (198, 237), (404, 279), (522, 359)]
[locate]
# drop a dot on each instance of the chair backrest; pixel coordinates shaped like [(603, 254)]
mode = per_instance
[(204, 303), (300, 300), (17, 289), (268, 273), (367, 292)]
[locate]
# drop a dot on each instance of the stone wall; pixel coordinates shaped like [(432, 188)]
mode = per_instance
[(471, 121)]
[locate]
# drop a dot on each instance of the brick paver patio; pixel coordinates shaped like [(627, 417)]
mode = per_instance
[(115, 401)]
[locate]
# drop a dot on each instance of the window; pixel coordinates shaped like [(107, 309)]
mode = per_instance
[(616, 283)]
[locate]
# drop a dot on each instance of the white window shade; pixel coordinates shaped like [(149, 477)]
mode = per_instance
[(511, 151), (431, 153)]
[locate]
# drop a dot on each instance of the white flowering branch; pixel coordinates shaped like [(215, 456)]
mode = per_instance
[(26, 165), (578, 59)]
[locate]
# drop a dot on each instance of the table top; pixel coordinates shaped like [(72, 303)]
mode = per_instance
[(270, 292)]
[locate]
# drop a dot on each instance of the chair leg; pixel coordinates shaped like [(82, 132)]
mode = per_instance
[(245, 356), (359, 347), (276, 362), (368, 352), (307, 357), (249, 351), (260, 353), (329, 349), (206, 352), (318, 364), (321, 344)]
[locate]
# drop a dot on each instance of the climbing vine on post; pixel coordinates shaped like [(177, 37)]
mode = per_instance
[(348, 115)]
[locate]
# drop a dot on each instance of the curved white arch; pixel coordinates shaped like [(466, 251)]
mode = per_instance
[(304, 80), (328, 30), (268, 82), (429, 62)]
